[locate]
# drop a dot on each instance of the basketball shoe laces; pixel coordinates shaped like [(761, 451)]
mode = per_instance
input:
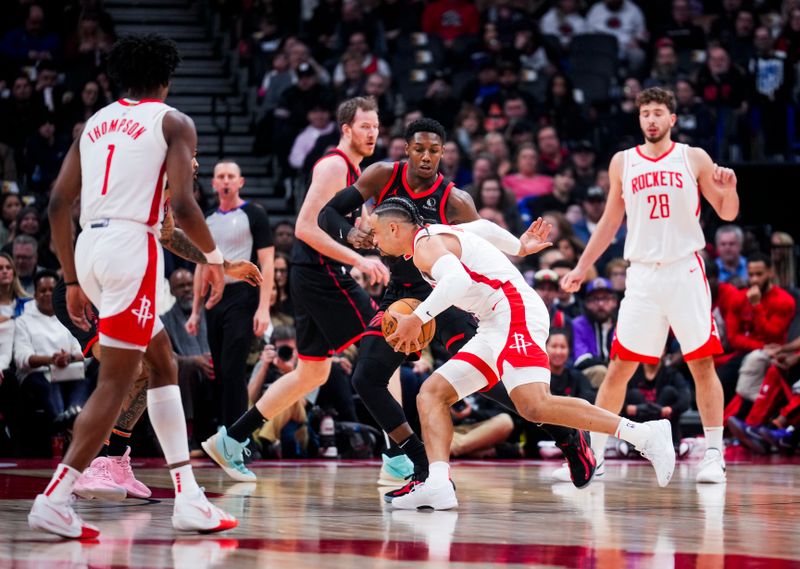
[(100, 469)]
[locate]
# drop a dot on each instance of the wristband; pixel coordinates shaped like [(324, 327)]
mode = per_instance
[(72, 283), (214, 257)]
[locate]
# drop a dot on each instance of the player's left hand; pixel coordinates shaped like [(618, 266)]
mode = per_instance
[(79, 308), (261, 321), (724, 177), (243, 271), (406, 335), (535, 238)]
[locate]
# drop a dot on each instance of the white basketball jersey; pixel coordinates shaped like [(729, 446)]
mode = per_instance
[(123, 164), (488, 267), (662, 202)]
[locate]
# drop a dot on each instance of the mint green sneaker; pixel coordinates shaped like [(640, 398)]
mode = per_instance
[(395, 470), (228, 453)]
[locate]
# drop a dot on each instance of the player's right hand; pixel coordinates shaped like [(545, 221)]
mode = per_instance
[(213, 279), (571, 282), (374, 270), (79, 308), (360, 239)]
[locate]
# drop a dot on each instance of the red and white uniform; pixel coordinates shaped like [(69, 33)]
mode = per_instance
[(513, 321), (118, 258), (666, 282)]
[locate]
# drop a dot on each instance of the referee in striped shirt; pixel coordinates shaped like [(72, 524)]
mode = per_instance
[(241, 230)]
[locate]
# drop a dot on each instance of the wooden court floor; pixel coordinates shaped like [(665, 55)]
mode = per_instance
[(330, 515)]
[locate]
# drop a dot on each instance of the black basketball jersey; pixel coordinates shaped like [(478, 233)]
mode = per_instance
[(431, 204), (305, 254)]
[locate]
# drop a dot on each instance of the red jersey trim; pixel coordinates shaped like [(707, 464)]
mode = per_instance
[(125, 103), (343, 291), (343, 156), (423, 193), (452, 340), (135, 323), (153, 219), (480, 365), (712, 347), (443, 204), (312, 358), (623, 353), (643, 155), (389, 183), (414, 242), (702, 270)]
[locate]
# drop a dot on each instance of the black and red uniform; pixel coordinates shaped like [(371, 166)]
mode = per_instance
[(331, 309), (454, 327)]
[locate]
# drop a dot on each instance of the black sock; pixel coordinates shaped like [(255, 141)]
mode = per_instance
[(242, 429), (415, 450), (118, 442), (392, 450)]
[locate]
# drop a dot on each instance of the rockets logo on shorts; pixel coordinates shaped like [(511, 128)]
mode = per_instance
[(143, 313), (520, 345)]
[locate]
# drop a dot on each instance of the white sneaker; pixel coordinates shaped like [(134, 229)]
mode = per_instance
[(712, 468), (60, 519), (659, 450), (423, 496), (193, 512), (600, 469)]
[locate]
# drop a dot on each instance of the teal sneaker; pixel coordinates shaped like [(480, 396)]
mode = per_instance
[(229, 454), (395, 470)]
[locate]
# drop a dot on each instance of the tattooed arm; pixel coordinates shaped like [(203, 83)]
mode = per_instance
[(176, 241)]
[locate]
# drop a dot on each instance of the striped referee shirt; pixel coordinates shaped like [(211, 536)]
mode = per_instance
[(241, 232)]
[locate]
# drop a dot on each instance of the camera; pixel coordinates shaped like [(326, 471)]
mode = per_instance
[(285, 353)]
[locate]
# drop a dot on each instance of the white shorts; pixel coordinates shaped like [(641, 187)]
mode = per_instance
[(663, 296), (119, 264), (509, 346)]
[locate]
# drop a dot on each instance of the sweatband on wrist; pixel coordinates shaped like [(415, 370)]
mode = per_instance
[(452, 282), (214, 257)]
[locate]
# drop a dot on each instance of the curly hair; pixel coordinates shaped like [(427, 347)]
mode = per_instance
[(425, 125), (143, 62)]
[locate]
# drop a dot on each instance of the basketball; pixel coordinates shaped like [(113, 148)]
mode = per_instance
[(406, 306)]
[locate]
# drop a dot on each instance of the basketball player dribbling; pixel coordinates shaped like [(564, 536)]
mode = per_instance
[(331, 309), (418, 180), (658, 186), (117, 167), (467, 267)]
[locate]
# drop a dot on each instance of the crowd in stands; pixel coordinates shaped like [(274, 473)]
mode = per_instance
[(535, 96)]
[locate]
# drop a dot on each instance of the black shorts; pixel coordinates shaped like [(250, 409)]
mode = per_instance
[(454, 327), (331, 310), (86, 339)]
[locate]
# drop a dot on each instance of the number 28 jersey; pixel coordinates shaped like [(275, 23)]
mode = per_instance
[(662, 203), (123, 163)]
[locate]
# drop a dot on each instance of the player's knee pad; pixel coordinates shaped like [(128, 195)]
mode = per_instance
[(371, 373)]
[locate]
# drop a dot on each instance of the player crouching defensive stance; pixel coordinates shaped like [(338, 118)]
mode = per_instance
[(468, 269)]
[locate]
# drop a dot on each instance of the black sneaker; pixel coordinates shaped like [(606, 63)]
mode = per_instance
[(579, 456)]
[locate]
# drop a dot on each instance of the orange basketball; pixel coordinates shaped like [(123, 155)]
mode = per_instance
[(406, 306)]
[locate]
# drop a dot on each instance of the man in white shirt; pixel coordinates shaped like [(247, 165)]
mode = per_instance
[(563, 21), (623, 19), (42, 344)]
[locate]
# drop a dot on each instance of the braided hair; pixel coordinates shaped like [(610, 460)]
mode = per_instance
[(400, 207)]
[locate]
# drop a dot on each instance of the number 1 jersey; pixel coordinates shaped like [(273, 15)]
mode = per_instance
[(662, 202), (123, 163)]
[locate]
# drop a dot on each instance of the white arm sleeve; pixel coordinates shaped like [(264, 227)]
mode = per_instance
[(494, 234), (452, 282)]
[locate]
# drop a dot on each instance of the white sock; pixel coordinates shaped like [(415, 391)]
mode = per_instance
[(183, 480), (599, 446), (166, 415), (632, 432), (714, 438), (438, 474), (60, 487)]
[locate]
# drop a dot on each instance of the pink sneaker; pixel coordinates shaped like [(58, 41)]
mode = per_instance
[(97, 482), (120, 467)]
